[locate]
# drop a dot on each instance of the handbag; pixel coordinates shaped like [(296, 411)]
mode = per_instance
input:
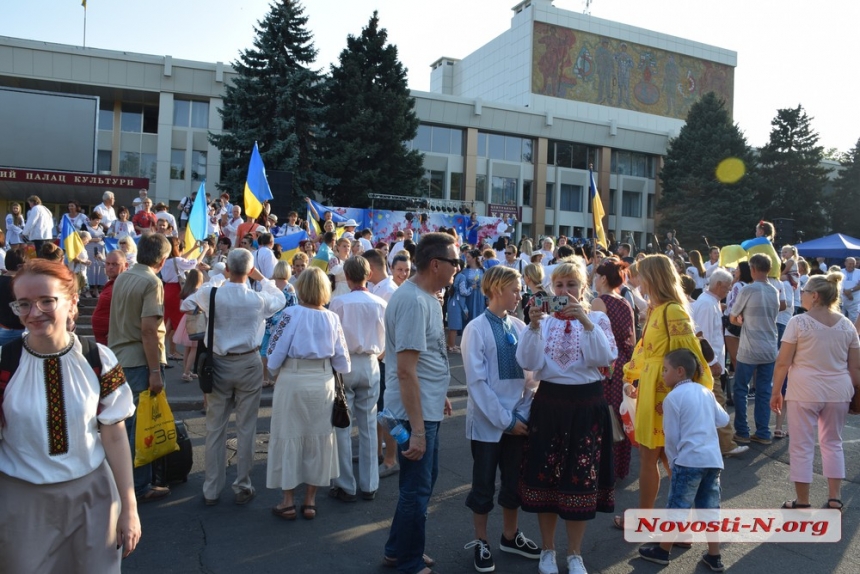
[(195, 325), (617, 430), (731, 327), (205, 363), (340, 408)]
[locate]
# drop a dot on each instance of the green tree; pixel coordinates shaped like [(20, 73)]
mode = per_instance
[(695, 202), (274, 100), (846, 195), (369, 115), (793, 180)]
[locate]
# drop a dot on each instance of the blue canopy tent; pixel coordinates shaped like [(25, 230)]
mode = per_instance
[(836, 246)]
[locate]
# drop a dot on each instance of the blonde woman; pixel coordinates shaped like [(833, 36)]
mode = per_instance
[(820, 353), (667, 327), (697, 272), (128, 246), (302, 447), (567, 471)]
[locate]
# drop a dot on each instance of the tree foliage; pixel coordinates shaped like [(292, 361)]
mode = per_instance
[(845, 216), (694, 202), (369, 115), (793, 180), (276, 101)]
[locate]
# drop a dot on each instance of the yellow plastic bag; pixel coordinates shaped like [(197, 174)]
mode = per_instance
[(155, 435)]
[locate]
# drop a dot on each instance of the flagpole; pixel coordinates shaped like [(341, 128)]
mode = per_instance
[(85, 25)]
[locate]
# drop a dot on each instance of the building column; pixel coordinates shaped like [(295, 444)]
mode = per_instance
[(470, 164), (658, 191), (604, 171), (539, 188)]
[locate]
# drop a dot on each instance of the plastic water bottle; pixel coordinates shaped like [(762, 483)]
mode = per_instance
[(388, 420)]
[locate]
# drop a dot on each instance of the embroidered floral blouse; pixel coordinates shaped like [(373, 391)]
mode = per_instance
[(52, 407), (568, 356)]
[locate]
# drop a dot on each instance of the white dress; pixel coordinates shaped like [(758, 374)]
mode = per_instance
[(96, 252), (302, 445), (341, 287)]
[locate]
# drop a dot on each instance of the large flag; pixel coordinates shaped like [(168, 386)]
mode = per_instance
[(322, 258), (70, 239), (321, 209), (256, 185), (597, 210), (290, 245), (198, 218), (313, 226)]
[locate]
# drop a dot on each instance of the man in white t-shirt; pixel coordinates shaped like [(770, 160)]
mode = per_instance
[(138, 201), (264, 257), (850, 286), (105, 209)]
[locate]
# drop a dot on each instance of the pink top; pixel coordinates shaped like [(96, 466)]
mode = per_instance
[(819, 372)]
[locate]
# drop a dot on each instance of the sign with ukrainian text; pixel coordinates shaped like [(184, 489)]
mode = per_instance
[(65, 178)]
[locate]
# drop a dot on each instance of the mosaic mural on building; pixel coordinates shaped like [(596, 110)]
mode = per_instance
[(586, 67)]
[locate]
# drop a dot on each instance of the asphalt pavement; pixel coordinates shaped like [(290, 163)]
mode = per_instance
[(182, 535)]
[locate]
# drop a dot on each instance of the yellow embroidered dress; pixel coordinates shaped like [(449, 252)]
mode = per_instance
[(646, 365)]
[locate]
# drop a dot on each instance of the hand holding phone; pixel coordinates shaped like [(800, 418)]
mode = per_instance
[(551, 303)]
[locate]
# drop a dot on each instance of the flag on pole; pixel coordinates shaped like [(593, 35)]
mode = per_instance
[(313, 226), (70, 239), (322, 258), (256, 185), (290, 245), (321, 209), (597, 210), (197, 218), (84, 4)]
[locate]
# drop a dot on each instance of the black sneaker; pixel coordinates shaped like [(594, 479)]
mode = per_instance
[(483, 556), (654, 554), (520, 545), (715, 563)]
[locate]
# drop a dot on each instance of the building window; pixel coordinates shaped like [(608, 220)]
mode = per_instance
[(631, 204), (527, 193), (570, 197), (613, 194), (148, 166), (106, 120), (177, 164), (129, 163), (526, 229), (187, 113), (480, 188), (635, 164), (547, 232), (198, 165), (549, 192), (496, 145), (456, 186), (505, 148), (433, 184), (570, 155), (650, 208), (504, 190), (150, 119), (181, 112), (437, 139), (200, 115), (482, 144), (131, 119), (105, 157)]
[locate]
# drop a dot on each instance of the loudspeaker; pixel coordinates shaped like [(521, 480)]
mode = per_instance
[(281, 184), (784, 232)]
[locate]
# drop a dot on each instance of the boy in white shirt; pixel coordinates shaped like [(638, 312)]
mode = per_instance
[(497, 414), (691, 416)]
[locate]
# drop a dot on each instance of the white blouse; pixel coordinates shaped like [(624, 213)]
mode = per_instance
[(13, 232), (568, 358), (43, 449), (168, 271), (308, 334)]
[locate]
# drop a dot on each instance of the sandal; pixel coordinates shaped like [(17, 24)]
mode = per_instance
[(193, 375), (287, 512), (186, 377), (779, 433), (794, 505), (389, 562), (268, 384), (309, 511), (618, 522), (174, 357), (836, 501)]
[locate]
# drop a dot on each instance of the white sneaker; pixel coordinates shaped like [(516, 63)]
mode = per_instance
[(575, 565), (737, 450), (547, 562)]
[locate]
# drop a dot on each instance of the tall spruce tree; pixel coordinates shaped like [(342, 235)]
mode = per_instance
[(793, 180), (844, 214), (695, 202), (369, 115), (276, 101)]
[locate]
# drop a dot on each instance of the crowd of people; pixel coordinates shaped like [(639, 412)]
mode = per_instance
[(553, 340)]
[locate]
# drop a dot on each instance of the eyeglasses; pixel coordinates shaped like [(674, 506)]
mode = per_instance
[(509, 253), (45, 305), (454, 262)]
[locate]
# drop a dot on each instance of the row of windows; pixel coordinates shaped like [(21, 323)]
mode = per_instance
[(140, 118), (135, 164), (571, 155), (631, 163), (506, 148), (437, 140), (177, 164)]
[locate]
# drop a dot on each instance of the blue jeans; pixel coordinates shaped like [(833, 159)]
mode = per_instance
[(138, 380), (763, 386), (694, 487), (417, 478)]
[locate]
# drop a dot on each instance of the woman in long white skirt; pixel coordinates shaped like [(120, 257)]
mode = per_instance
[(307, 344)]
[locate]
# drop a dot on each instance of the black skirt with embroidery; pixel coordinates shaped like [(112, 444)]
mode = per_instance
[(567, 465)]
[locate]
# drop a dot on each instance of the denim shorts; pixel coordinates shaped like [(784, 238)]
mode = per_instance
[(694, 487)]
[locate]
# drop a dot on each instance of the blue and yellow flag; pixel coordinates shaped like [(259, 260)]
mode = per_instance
[(313, 225), (198, 218), (597, 211), (322, 258), (290, 245), (70, 240), (257, 188)]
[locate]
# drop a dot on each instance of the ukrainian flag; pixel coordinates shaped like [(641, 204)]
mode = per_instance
[(313, 225), (290, 245), (198, 219), (597, 211), (70, 240), (256, 186), (322, 258)]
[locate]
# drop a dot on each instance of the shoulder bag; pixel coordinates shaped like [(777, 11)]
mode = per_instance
[(205, 363), (340, 408), (195, 325)]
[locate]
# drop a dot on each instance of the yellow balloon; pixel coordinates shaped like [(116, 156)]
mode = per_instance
[(730, 170)]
